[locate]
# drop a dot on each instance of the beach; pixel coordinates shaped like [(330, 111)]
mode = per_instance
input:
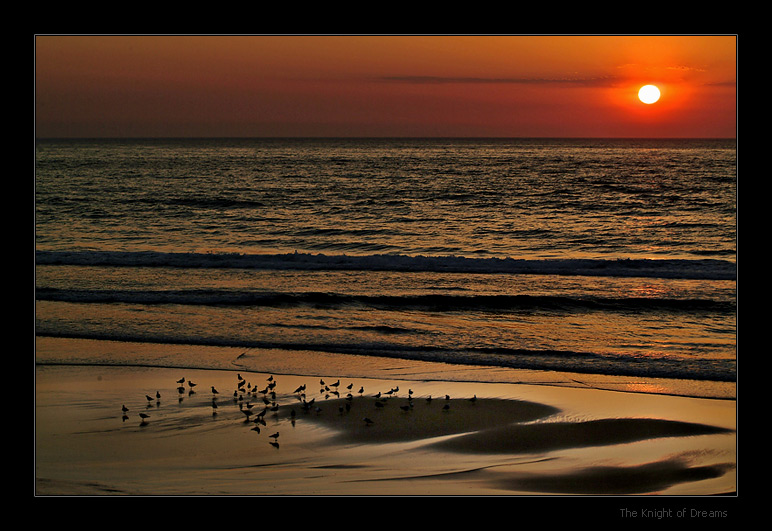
[(469, 433), (273, 286)]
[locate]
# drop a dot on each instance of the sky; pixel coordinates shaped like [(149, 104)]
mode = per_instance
[(384, 86)]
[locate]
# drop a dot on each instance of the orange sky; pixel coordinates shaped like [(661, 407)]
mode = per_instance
[(502, 86)]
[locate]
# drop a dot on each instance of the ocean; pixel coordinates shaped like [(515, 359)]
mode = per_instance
[(609, 257)]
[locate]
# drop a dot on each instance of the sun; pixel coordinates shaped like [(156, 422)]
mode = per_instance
[(648, 94)]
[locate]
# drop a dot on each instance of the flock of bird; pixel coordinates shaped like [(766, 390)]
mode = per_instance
[(245, 393)]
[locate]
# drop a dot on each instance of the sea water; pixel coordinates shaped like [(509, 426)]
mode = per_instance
[(614, 257)]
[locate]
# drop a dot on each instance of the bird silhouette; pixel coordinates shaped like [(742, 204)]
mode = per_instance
[(124, 408), (181, 380), (274, 435), (214, 391)]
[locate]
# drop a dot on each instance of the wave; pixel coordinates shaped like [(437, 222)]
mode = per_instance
[(516, 358), (434, 302), (707, 269)]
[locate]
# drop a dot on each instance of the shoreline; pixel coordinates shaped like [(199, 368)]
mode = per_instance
[(515, 439), (68, 351)]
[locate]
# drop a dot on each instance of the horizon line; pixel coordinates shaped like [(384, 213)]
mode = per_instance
[(381, 137)]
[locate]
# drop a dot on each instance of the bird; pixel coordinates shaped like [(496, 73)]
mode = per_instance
[(124, 408), (349, 386), (214, 391), (270, 378), (144, 416), (274, 435), (336, 384), (473, 399), (181, 380), (149, 398), (300, 389), (157, 395), (361, 390)]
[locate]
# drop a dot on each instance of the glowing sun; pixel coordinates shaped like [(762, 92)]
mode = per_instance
[(648, 94)]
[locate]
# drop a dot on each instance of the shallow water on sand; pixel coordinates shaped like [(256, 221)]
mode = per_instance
[(83, 445)]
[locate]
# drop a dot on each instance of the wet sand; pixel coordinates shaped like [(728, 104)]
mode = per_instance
[(482, 439)]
